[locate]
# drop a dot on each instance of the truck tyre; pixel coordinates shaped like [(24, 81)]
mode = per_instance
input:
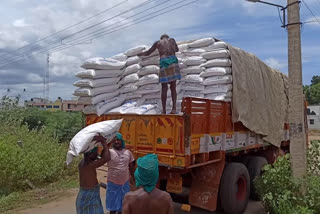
[(234, 188), (255, 166)]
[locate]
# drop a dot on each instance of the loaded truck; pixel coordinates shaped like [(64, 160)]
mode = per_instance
[(213, 150)]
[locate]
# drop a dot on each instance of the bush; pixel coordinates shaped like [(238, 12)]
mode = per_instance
[(31, 154), (281, 193)]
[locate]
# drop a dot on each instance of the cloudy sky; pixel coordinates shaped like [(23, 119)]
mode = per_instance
[(252, 27)]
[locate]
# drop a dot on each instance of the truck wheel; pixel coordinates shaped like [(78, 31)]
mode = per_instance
[(234, 188), (255, 166)]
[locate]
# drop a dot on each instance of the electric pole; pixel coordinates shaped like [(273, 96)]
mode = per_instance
[(296, 98)]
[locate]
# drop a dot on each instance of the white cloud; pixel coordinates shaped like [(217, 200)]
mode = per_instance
[(20, 23), (276, 64), (312, 21)]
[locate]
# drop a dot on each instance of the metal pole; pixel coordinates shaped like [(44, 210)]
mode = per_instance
[(296, 98)]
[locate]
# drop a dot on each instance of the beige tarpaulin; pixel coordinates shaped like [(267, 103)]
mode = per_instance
[(260, 98)]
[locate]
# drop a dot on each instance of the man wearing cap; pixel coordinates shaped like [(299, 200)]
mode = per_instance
[(88, 199), (120, 166), (148, 199)]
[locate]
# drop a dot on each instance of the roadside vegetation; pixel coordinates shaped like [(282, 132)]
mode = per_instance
[(282, 194), (33, 145)]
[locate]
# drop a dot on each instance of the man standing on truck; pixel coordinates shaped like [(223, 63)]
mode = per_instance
[(120, 166), (169, 68), (88, 199), (148, 199)]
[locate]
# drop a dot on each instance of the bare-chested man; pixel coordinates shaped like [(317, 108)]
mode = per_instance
[(88, 199), (148, 199), (169, 68)]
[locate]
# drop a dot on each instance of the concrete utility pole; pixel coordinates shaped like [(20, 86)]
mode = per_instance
[(296, 98)]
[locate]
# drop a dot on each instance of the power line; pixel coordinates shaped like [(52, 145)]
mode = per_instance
[(123, 26), (59, 40), (67, 28), (311, 21), (310, 11), (118, 29)]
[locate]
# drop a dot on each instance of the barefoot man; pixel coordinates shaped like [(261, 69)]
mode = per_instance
[(148, 199), (88, 199), (169, 69), (120, 167)]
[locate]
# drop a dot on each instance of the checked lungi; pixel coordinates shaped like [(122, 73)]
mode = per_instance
[(89, 201), (115, 195), (169, 69)]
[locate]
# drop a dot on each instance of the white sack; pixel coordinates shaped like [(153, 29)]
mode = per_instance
[(217, 54), (150, 69), (101, 97), (216, 45), (149, 96), (183, 47), (217, 63), (108, 105), (132, 78), (123, 108), (120, 57), (96, 82), (192, 78), (221, 88), (90, 92), (193, 52), (97, 74), (148, 79), (218, 80), (193, 87), (155, 60), (128, 88), (219, 96), (194, 60), (141, 109), (102, 63), (201, 43), (133, 60), (131, 69), (193, 94), (148, 89), (135, 51), (215, 71), (82, 141)]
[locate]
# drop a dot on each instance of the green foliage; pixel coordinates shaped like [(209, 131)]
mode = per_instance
[(315, 80), (312, 92), (282, 194), (60, 125)]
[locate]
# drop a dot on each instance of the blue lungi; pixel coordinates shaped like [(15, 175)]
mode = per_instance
[(115, 196), (89, 201)]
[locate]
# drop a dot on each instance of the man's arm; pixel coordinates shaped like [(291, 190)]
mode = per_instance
[(105, 157), (148, 52), (126, 205), (176, 48)]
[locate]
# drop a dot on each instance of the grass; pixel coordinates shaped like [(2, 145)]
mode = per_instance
[(22, 200)]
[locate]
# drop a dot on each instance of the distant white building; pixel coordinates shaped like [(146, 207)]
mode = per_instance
[(314, 117)]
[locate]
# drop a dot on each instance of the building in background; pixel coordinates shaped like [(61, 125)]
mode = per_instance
[(313, 112), (73, 105), (58, 105)]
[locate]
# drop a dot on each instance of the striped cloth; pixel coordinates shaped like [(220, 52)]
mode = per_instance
[(89, 201), (115, 196), (169, 69)]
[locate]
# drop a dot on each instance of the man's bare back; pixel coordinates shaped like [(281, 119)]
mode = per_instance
[(141, 202)]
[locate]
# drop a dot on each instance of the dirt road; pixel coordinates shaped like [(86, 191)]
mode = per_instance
[(66, 205)]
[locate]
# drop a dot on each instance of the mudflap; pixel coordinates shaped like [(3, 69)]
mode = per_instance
[(205, 185)]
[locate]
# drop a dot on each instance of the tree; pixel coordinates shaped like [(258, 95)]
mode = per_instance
[(315, 80)]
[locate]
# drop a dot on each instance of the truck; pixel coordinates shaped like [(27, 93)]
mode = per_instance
[(213, 150)]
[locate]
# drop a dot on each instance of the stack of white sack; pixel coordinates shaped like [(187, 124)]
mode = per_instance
[(82, 141), (217, 74), (130, 77), (99, 84), (207, 72)]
